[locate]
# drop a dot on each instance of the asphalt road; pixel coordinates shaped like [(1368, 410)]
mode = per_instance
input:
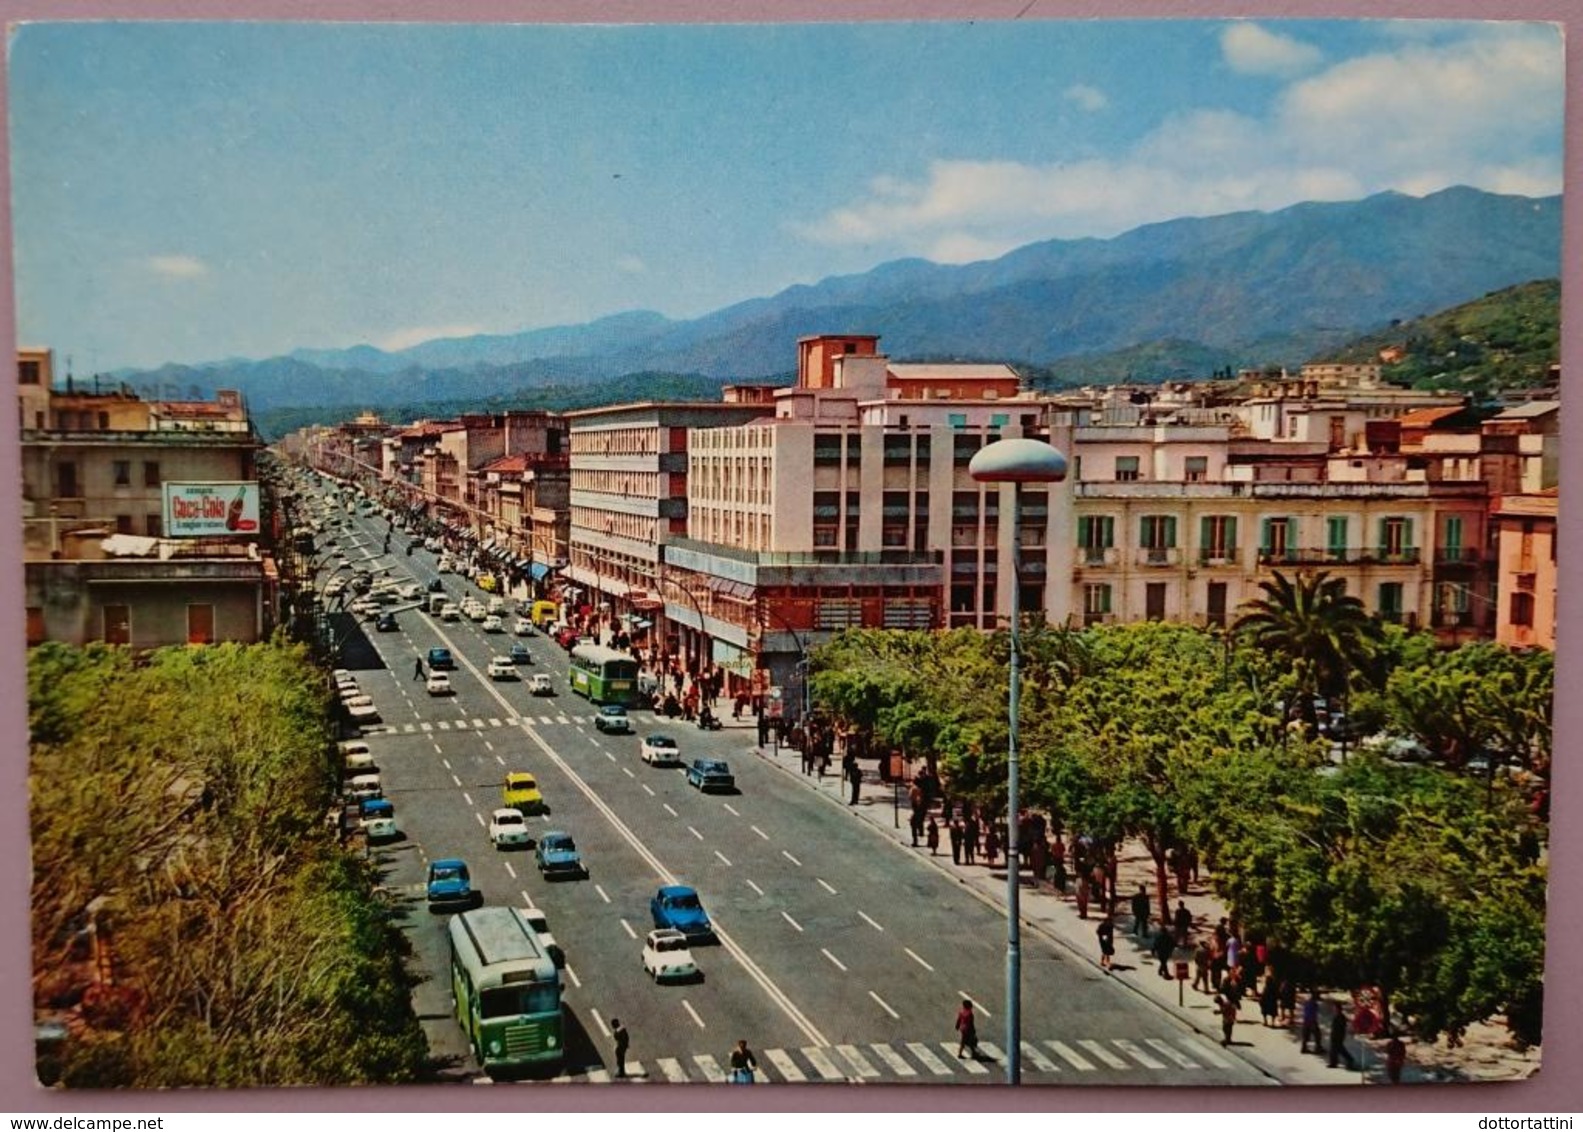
[(841, 957)]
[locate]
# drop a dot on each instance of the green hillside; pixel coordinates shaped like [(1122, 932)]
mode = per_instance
[(1509, 339)]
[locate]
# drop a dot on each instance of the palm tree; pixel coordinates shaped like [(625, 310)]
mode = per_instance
[(1324, 631)]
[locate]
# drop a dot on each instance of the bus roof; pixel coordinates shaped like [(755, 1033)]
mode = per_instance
[(598, 654), (498, 935)]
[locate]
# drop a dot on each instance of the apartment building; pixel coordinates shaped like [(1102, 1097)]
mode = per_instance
[(141, 519), (1525, 532)]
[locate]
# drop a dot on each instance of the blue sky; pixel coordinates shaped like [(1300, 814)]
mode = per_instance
[(189, 192)]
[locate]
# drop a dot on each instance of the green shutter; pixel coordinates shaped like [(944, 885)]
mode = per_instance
[(1144, 524), (1170, 531), (1291, 536), (1084, 526), (1108, 531), (1382, 539), (1203, 536), (1408, 545), (1265, 528), (1338, 536), (1231, 536), (1454, 533), (1104, 597)]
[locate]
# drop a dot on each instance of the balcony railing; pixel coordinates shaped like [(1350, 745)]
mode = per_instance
[(1098, 556), (1217, 556), (1340, 556), (1458, 556), (1159, 556)]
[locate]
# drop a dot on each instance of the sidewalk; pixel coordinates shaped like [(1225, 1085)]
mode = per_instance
[(1273, 1050)]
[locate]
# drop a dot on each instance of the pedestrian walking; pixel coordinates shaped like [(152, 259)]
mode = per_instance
[(1311, 1023), (1288, 994), (1164, 948), (956, 843), (854, 775), (1269, 1000), (966, 1030), (1338, 1038), (970, 837), (932, 838), (1395, 1058), (1201, 967), (1184, 924), (743, 1064), (1081, 896), (1228, 1017), (991, 845), (1140, 911), (915, 825), (623, 1040), (417, 668), (1106, 931)]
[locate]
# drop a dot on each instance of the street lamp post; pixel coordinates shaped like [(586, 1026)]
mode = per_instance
[(1017, 461)]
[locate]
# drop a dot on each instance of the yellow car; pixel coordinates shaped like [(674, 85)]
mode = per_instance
[(522, 793), (486, 582)]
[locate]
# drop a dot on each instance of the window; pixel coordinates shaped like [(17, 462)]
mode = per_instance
[(965, 448), (154, 524), (200, 624), (1217, 538), (1157, 537), (999, 420), (1154, 601), (123, 473), (117, 625), (1279, 540), (151, 473), (66, 478), (1096, 602), (1336, 536), (123, 524), (1217, 603), (1077, 467), (1197, 468), (1522, 610), (1396, 538), (1126, 469), (1095, 535), (956, 420), (1452, 551), (826, 449), (36, 633), (1391, 600), (29, 373)]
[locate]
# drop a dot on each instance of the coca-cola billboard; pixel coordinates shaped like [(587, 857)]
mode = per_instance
[(210, 510)]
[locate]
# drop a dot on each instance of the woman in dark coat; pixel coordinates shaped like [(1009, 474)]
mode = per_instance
[(1106, 931)]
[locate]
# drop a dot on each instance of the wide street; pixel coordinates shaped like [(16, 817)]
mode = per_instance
[(841, 958)]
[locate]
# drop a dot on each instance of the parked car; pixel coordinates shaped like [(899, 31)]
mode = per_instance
[(521, 792), (520, 653), (501, 668), (660, 750), (507, 828), (363, 711), (540, 684), (711, 774), (439, 684), (493, 624), (557, 856), (677, 906), (667, 958), (450, 885), (440, 660), (540, 924), (363, 787), (378, 819), (612, 720)]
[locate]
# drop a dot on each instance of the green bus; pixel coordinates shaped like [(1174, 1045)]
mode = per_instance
[(605, 676), (507, 991)]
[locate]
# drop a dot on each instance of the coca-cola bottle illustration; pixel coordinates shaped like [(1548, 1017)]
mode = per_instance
[(233, 517)]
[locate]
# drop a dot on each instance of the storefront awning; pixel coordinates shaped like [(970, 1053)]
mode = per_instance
[(741, 591), (539, 570)]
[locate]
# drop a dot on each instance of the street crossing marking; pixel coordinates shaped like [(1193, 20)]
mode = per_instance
[(710, 1067), (599, 1076), (545, 719), (410, 728), (1165, 1048), (993, 1051), (1130, 1048), (1043, 1064), (428, 726), (783, 1063), (1071, 1056), (561, 719), (854, 1057), (635, 1071), (461, 725), (494, 723), (512, 721), (444, 726), (894, 1060), (822, 1064), (969, 1062), (480, 723), (1103, 1054), (1207, 1054), (673, 1070), (930, 1062)]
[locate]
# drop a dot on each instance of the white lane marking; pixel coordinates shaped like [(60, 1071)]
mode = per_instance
[(826, 887), (825, 952), (526, 899), (500, 760), (409, 728), (545, 719), (628, 929), (755, 888), (918, 959), (600, 1022), (978, 1006), (481, 820), (861, 1065), (456, 780), (578, 983), (790, 858), (1130, 1048), (670, 811), (727, 805), (791, 921), (446, 763), (897, 1063), (674, 1073), (1031, 1052), (822, 1064), (609, 756), (1160, 1045), (510, 870), (885, 1006), (871, 923), (466, 797), (724, 860), (1071, 1056), (930, 1062), (968, 1062), (646, 789), (437, 748), (687, 1006), (487, 744), (709, 1067), (460, 725), (635, 1071), (1206, 1054), (760, 832), (602, 894), (1102, 1053), (628, 772), (782, 1061), (695, 833)]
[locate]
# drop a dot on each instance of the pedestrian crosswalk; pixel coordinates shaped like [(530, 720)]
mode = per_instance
[(464, 724), (1051, 1061)]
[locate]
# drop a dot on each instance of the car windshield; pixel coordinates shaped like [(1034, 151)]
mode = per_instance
[(508, 819), (661, 741), (671, 944), (523, 782), (560, 844), (685, 900), (447, 872)]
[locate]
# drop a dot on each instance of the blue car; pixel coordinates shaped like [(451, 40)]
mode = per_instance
[(557, 856), (520, 653), (677, 906), (450, 885), (711, 774), (440, 660)]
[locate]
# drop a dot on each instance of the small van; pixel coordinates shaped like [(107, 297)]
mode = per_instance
[(544, 612)]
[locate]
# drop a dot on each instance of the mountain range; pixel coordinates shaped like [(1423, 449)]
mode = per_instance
[(1164, 300)]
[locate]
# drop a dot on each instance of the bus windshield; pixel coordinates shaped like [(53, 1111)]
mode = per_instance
[(523, 998)]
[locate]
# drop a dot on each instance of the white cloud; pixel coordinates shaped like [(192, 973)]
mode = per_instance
[(416, 335), (632, 265), (1483, 111), (1085, 96), (1254, 50), (178, 266)]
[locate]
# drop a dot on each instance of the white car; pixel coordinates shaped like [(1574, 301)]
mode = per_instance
[(475, 612), (523, 627), (334, 588), (439, 684), (351, 697), (541, 927), (493, 624), (449, 612), (667, 956), (501, 668), (540, 684), (660, 750), (411, 591), (497, 605), (508, 827)]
